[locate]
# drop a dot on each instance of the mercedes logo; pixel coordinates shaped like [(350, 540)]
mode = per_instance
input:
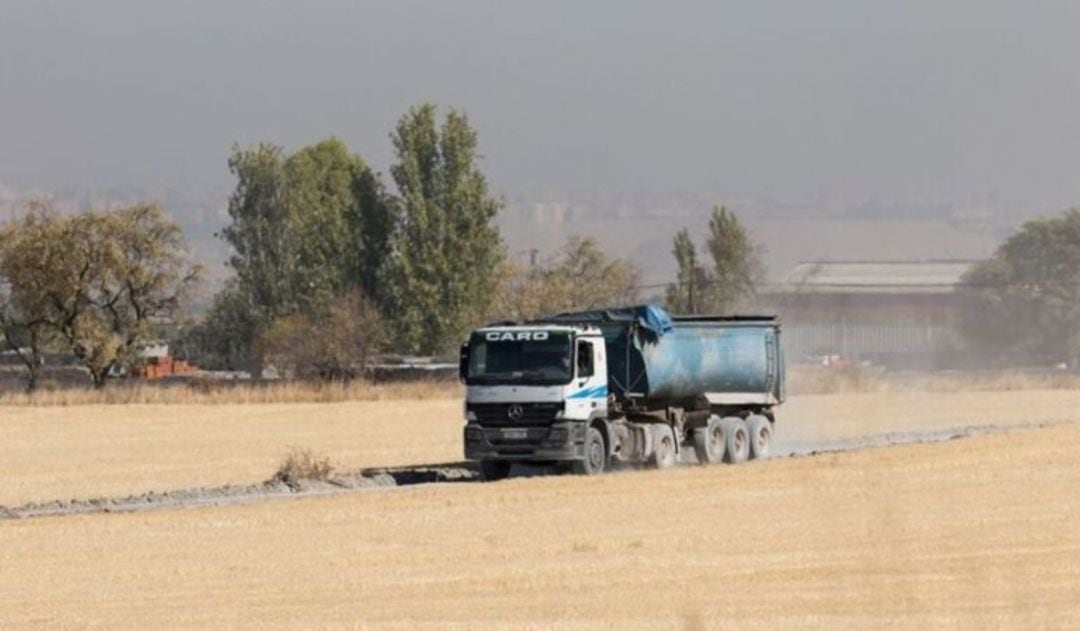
[(515, 412)]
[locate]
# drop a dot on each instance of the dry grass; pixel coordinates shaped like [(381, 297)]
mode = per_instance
[(801, 380), (300, 465), (813, 380), (93, 450), (200, 392), (88, 451), (978, 533)]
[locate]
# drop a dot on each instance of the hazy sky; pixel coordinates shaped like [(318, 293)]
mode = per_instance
[(870, 97)]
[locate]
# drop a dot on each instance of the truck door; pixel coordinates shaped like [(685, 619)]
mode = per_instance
[(588, 390)]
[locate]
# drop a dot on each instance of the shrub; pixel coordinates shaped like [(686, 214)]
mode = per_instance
[(302, 464)]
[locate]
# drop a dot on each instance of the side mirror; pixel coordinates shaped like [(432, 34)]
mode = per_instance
[(463, 362)]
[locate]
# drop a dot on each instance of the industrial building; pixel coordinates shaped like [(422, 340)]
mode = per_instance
[(898, 314)]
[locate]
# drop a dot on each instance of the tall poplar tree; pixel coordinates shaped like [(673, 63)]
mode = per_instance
[(446, 251), (692, 292), (737, 266), (731, 281)]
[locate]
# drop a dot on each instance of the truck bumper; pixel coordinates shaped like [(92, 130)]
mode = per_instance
[(557, 442)]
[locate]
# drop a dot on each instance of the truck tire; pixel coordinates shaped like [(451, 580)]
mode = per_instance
[(737, 440), (596, 457), (663, 453), (760, 436), (494, 469), (709, 442)]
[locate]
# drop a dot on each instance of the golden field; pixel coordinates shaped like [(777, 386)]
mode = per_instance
[(85, 451), (975, 533)]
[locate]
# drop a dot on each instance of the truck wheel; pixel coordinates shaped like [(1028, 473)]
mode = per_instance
[(494, 469), (709, 442), (760, 436), (663, 454), (595, 455), (737, 440)]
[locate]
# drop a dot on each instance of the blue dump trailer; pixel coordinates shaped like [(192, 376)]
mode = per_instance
[(631, 385)]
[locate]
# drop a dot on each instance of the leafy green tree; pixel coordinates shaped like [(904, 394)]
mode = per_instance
[(731, 281), (305, 228), (693, 289), (737, 266), (262, 232), (222, 338), (446, 250), (1023, 304), (343, 222), (579, 277)]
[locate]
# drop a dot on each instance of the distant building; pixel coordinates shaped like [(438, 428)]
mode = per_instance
[(892, 313)]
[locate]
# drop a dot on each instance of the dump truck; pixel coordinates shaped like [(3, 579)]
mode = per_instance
[(587, 390)]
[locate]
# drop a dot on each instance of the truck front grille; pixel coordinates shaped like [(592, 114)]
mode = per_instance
[(498, 414)]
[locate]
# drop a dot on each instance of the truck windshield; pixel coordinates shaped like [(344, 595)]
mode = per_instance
[(519, 357)]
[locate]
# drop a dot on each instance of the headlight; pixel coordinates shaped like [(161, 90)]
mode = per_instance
[(474, 433)]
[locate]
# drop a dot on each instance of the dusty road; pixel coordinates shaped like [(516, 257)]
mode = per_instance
[(976, 533), (91, 451)]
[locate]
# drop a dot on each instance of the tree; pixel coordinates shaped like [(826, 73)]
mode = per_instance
[(737, 266), (27, 248), (262, 232), (343, 222), (122, 272), (96, 283), (305, 228), (334, 345), (693, 289), (579, 277), (1023, 304), (222, 338), (446, 250), (373, 221)]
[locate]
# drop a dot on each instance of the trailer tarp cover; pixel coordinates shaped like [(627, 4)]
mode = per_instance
[(649, 317)]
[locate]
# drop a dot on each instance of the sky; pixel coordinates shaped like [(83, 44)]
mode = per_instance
[(889, 98)]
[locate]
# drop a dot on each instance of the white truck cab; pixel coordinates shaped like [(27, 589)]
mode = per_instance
[(530, 392)]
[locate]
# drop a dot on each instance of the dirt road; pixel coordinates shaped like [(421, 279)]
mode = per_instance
[(979, 533), (91, 451)]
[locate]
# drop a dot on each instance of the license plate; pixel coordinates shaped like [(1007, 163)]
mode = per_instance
[(515, 434)]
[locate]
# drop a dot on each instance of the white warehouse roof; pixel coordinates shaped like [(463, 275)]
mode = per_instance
[(842, 277)]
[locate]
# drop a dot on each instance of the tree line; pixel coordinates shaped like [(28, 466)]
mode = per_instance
[(318, 233), (333, 264)]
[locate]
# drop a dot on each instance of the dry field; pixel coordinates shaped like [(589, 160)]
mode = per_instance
[(974, 533), (86, 451)]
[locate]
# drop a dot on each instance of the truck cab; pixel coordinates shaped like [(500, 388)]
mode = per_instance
[(531, 393)]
